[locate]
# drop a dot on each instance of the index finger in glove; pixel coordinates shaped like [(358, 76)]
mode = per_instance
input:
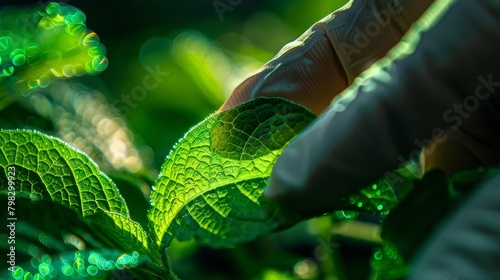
[(306, 71)]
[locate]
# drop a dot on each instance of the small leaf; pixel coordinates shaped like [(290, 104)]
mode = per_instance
[(47, 167), (211, 184), (378, 198)]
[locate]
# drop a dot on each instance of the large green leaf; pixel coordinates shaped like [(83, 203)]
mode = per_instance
[(211, 184), (47, 167)]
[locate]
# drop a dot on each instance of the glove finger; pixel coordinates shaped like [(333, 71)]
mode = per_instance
[(321, 63), (306, 71)]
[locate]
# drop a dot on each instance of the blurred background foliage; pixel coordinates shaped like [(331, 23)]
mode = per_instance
[(169, 65)]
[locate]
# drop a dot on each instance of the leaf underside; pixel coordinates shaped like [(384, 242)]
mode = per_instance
[(211, 184)]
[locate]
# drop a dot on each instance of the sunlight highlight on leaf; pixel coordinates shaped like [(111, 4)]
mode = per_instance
[(211, 184)]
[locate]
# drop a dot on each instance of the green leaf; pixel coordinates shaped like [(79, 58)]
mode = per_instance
[(211, 184), (81, 203), (47, 167), (378, 198), (384, 195), (71, 246), (405, 227), (41, 43), (71, 108), (124, 233), (433, 197)]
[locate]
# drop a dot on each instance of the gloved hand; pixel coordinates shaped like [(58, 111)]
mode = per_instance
[(321, 63), (466, 245), (440, 83), (444, 76)]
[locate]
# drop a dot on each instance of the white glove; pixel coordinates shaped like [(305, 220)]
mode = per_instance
[(452, 59), (321, 63)]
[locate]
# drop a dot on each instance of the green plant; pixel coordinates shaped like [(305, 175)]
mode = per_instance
[(210, 188)]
